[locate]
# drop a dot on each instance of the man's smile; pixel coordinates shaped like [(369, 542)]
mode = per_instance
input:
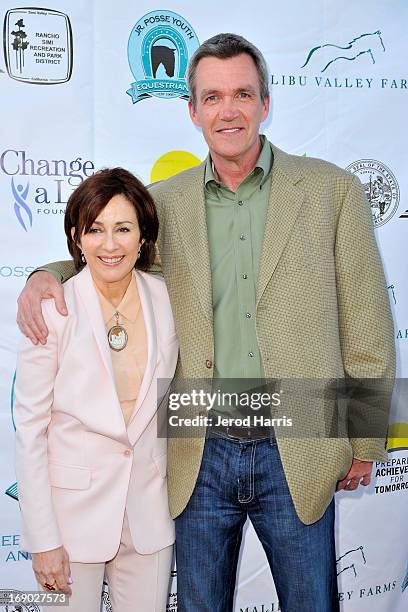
[(233, 130)]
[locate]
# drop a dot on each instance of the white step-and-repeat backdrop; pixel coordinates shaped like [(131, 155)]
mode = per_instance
[(79, 90)]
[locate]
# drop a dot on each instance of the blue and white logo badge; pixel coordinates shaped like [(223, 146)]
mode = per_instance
[(159, 48)]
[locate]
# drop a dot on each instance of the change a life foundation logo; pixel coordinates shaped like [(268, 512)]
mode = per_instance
[(160, 46), (380, 186), (41, 187), (38, 45)]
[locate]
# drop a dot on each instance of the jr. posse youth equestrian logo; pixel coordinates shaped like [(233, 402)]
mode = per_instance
[(159, 48), (380, 186)]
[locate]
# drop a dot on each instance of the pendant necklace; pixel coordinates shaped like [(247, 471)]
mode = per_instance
[(117, 335)]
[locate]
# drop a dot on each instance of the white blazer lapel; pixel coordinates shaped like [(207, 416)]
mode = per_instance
[(151, 334), (90, 301)]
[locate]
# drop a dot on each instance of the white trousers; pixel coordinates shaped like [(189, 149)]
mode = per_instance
[(136, 582)]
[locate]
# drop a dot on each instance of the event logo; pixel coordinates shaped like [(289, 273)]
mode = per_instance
[(351, 560), (402, 333), (106, 605), (334, 66), (41, 187), (405, 581), (172, 593), (20, 193), (38, 45), (15, 271), (391, 289), (328, 54), (380, 186), (159, 48), (397, 438), (11, 491)]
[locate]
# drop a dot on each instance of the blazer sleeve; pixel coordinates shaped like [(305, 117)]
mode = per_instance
[(62, 270), (35, 375), (366, 326)]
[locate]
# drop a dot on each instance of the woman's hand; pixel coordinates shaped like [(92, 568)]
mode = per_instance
[(52, 568)]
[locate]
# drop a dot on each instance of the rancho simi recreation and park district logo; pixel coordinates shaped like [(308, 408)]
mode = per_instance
[(160, 46), (380, 186)]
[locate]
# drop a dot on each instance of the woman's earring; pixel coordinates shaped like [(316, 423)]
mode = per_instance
[(139, 251), (83, 258)]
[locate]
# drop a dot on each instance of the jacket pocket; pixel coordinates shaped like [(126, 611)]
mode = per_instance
[(68, 476)]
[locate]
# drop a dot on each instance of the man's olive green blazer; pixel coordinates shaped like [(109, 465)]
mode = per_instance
[(322, 311)]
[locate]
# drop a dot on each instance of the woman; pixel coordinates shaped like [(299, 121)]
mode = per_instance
[(91, 468)]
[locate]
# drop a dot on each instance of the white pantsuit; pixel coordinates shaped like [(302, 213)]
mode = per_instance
[(87, 480)]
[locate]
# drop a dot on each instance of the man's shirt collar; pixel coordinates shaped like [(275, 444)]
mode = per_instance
[(263, 165)]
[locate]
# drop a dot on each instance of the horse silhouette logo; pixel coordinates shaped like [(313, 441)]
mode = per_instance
[(159, 48), (161, 54), (370, 44), (351, 560)]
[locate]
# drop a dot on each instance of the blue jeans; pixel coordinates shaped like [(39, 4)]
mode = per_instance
[(240, 479)]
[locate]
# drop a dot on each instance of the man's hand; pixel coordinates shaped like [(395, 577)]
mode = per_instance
[(359, 473), (40, 286), (52, 569)]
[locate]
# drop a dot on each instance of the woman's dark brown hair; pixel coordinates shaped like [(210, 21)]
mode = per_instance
[(90, 198)]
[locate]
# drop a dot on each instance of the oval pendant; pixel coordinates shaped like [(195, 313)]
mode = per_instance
[(117, 337)]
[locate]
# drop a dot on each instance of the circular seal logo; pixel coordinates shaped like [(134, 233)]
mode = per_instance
[(159, 48), (380, 186)]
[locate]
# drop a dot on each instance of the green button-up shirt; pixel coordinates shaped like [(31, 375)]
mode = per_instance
[(236, 223)]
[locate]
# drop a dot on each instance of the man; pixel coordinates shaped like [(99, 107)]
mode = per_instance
[(273, 272)]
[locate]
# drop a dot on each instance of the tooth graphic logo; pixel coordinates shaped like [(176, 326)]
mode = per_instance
[(159, 48), (370, 43), (20, 194)]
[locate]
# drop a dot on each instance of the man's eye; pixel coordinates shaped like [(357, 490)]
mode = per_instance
[(211, 98), (244, 94)]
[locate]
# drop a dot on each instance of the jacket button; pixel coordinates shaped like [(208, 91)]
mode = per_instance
[(127, 452), (209, 364)]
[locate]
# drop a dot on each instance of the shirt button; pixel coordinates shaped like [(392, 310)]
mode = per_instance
[(240, 203), (250, 354), (248, 315), (208, 364), (245, 276), (242, 237), (127, 452)]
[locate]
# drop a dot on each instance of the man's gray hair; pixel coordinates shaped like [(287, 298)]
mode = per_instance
[(225, 46)]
